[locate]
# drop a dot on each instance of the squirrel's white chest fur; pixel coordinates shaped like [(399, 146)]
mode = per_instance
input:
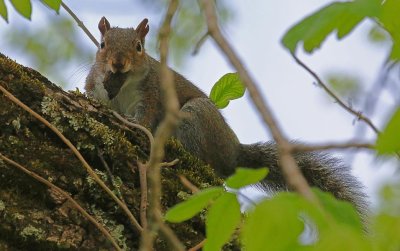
[(98, 91), (128, 97)]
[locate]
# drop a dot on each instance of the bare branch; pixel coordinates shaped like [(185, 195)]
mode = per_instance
[(188, 184), (289, 167), (169, 164), (80, 24), (198, 246), (200, 43), (166, 127), (110, 174), (67, 196), (342, 146), (358, 114), (143, 193), (77, 154), (134, 125)]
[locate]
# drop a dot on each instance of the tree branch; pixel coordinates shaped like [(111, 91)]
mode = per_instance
[(289, 167), (166, 127), (66, 195), (340, 146), (358, 114), (77, 154)]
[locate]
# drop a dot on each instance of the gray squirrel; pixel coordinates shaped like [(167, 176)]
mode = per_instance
[(126, 78)]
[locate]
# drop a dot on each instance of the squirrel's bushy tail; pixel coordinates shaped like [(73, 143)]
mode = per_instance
[(320, 170)]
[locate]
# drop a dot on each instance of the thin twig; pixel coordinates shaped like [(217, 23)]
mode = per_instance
[(80, 24), (247, 198), (188, 184), (371, 100), (103, 161), (291, 172), (346, 145), (134, 125), (200, 43), (198, 246), (155, 222), (110, 175), (169, 164), (143, 193), (358, 115), (66, 195), (77, 154), (169, 234)]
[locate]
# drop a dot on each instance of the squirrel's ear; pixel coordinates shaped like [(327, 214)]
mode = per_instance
[(143, 28), (104, 25)]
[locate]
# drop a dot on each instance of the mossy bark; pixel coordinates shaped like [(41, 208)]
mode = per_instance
[(32, 216)]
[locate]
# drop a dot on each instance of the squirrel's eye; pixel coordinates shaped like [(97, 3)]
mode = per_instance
[(102, 44), (139, 46)]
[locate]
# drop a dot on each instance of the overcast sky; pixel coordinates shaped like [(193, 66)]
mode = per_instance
[(304, 112)]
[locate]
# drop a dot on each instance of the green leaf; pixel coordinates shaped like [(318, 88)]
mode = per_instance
[(53, 4), (342, 17), (274, 224), (24, 7), (386, 234), (347, 85), (389, 19), (245, 176), (388, 141), (187, 209), (343, 238), (227, 88), (3, 10), (342, 211), (222, 219)]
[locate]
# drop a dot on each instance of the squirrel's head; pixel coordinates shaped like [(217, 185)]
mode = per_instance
[(122, 49)]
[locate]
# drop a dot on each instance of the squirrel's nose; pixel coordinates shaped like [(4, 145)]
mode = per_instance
[(118, 66), (119, 63)]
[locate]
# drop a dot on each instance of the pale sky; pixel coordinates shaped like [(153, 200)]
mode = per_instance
[(303, 110)]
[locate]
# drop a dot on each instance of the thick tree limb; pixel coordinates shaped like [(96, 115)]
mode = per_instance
[(33, 217)]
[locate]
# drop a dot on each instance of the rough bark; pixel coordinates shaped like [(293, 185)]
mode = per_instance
[(32, 216)]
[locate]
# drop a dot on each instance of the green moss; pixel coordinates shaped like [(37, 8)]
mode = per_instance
[(2, 206), (32, 232), (16, 123), (101, 134), (119, 235), (18, 216), (116, 230), (15, 141), (95, 191), (51, 108)]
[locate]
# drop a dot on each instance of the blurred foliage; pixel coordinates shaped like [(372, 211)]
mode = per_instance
[(45, 46), (52, 48), (345, 84), (338, 17), (3, 10), (189, 26), (24, 7), (341, 18), (288, 221), (389, 199), (378, 35), (388, 141)]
